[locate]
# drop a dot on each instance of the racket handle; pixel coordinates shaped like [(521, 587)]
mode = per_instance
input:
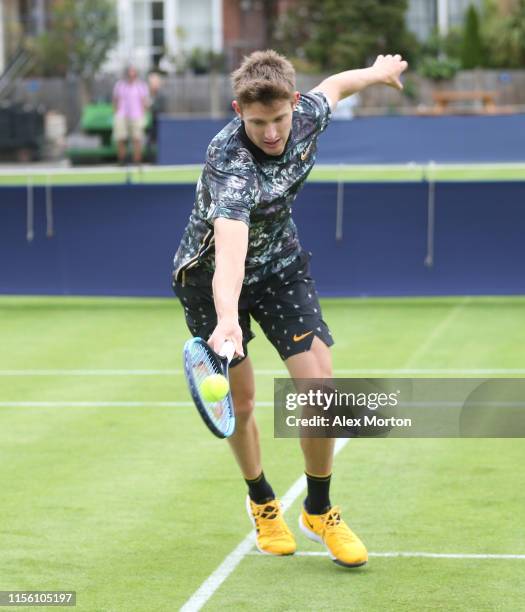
[(227, 350)]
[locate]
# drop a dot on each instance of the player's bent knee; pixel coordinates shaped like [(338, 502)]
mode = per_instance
[(243, 410)]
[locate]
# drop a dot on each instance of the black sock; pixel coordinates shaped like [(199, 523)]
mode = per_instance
[(259, 489), (318, 499)]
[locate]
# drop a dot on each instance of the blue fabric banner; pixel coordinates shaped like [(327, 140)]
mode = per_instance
[(366, 239), (374, 140)]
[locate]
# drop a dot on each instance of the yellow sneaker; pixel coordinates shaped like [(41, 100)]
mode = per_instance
[(329, 529), (272, 534)]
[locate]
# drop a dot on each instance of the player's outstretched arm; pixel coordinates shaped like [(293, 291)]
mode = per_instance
[(386, 70), (231, 246)]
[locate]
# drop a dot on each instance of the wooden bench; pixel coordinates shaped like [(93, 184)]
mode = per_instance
[(442, 99)]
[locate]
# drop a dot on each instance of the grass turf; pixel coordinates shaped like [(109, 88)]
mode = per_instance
[(190, 174), (134, 507)]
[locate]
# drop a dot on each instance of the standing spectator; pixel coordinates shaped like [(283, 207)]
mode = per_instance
[(157, 103), (130, 101)]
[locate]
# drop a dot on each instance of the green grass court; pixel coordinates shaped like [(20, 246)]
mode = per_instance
[(111, 485), (190, 174)]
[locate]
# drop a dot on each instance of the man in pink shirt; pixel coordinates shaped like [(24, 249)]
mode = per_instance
[(130, 100)]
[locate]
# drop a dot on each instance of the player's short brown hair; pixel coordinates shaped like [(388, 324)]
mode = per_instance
[(263, 76)]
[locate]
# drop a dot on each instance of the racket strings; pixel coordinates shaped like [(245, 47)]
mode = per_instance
[(203, 366)]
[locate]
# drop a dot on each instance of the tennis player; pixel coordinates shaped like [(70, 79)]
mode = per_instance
[(240, 257)]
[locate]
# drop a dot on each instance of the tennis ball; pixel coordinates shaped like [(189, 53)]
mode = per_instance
[(214, 388)]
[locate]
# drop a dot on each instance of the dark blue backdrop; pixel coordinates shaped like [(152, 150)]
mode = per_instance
[(119, 240), (374, 140)]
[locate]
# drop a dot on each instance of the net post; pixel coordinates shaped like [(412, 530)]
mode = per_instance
[(50, 230), (30, 210), (339, 205), (431, 201)]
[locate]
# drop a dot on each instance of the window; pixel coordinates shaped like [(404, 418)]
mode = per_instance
[(422, 17), (195, 19), (148, 29), (457, 10)]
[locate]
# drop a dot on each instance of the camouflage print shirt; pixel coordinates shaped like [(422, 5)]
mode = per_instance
[(239, 181)]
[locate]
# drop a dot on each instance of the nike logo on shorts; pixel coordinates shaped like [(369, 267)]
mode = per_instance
[(297, 338)]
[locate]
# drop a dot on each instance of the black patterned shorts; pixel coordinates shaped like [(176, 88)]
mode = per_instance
[(286, 306)]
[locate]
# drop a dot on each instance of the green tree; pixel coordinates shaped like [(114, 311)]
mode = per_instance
[(438, 68), (78, 40), (504, 35), (472, 47), (338, 35), (437, 45)]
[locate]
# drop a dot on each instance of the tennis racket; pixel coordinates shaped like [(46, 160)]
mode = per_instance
[(200, 361)]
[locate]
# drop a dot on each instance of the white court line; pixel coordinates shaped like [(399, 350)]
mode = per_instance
[(214, 580), (261, 372), (147, 169), (416, 554), (437, 331), (94, 372), (108, 169), (132, 404), (88, 404)]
